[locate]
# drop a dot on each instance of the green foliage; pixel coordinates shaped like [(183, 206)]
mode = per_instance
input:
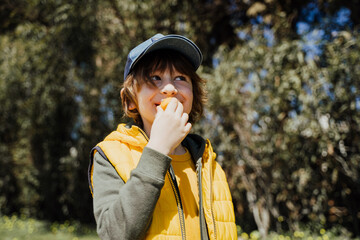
[(285, 127), (289, 127), (302, 233), (60, 73), (15, 227), (38, 89)]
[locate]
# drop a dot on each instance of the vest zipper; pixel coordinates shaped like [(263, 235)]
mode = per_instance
[(175, 188), (211, 195), (172, 178), (203, 226), (211, 201)]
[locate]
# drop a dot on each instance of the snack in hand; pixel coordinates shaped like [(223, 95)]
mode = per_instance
[(165, 102)]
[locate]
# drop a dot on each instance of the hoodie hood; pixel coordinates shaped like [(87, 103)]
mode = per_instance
[(195, 144)]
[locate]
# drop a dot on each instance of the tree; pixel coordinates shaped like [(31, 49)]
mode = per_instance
[(284, 127), (282, 95)]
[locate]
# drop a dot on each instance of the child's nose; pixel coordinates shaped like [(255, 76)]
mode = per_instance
[(169, 89)]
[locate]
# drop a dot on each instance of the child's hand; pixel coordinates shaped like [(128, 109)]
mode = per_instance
[(165, 102), (169, 128)]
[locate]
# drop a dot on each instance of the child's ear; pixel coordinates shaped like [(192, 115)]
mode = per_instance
[(131, 105)]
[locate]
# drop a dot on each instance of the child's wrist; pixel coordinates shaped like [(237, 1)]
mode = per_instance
[(158, 147)]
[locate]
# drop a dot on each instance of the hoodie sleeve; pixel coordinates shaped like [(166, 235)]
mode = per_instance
[(124, 210)]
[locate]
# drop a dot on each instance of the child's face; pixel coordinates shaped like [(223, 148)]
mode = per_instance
[(167, 84)]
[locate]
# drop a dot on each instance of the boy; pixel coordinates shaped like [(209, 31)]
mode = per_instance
[(154, 180)]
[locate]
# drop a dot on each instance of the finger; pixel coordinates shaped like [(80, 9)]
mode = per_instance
[(184, 118), (188, 128), (159, 109), (179, 109), (172, 105)]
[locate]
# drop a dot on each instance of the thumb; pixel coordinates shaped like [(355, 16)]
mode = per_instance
[(159, 109)]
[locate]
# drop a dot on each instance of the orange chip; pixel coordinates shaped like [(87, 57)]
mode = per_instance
[(165, 102)]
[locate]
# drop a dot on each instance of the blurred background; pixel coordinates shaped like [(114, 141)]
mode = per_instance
[(283, 111)]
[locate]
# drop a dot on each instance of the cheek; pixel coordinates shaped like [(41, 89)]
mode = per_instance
[(189, 103)]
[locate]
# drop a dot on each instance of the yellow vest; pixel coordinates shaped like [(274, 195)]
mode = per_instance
[(123, 149)]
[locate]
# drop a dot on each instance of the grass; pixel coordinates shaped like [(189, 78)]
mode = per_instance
[(338, 233), (22, 228)]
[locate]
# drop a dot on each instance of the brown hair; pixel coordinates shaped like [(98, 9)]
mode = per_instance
[(161, 60)]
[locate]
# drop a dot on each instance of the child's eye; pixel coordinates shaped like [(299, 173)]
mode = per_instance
[(155, 78), (181, 78)]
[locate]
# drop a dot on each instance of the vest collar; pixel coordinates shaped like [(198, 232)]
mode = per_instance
[(132, 135), (135, 136)]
